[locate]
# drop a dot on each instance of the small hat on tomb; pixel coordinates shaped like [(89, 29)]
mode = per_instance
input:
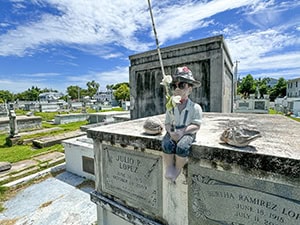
[(184, 74)]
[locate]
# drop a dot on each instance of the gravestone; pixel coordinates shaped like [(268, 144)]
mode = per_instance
[(218, 197), (132, 176)]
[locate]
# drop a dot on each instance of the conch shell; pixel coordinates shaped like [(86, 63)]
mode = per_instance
[(239, 136)]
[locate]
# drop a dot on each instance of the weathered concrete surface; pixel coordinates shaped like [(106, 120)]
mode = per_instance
[(56, 139), (44, 130), (278, 150), (56, 200), (23, 122)]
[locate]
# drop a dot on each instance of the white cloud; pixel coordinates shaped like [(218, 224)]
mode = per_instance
[(102, 28), (264, 50), (254, 45), (178, 20), (13, 86), (81, 22), (97, 23), (117, 75), (52, 80), (288, 74)]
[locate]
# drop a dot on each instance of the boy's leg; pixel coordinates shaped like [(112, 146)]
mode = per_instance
[(182, 152), (169, 148)]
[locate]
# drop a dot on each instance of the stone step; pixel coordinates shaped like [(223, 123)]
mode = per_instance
[(45, 130), (56, 139), (25, 167)]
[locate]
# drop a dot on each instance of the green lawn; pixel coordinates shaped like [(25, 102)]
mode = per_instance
[(21, 152), (272, 111)]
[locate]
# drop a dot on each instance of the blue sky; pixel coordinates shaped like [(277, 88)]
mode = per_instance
[(59, 43)]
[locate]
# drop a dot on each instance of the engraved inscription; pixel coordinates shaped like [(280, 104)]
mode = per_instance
[(133, 177), (231, 204)]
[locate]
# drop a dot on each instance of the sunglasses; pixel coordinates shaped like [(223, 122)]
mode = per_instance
[(180, 85)]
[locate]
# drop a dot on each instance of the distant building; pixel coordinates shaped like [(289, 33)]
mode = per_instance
[(293, 88), (104, 96), (50, 96)]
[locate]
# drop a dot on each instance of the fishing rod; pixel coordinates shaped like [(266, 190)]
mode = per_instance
[(166, 79), (156, 40)]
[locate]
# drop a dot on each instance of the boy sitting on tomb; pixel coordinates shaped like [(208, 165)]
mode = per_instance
[(182, 123)]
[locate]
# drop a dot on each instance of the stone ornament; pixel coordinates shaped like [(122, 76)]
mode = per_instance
[(239, 136), (5, 166), (153, 126)]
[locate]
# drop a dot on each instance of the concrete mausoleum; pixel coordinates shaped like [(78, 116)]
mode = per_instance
[(210, 62), (221, 184)]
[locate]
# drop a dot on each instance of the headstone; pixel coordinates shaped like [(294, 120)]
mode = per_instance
[(222, 198), (132, 176)]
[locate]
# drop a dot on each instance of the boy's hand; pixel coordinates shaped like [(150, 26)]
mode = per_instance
[(177, 135)]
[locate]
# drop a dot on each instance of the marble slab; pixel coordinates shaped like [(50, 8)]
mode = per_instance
[(221, 198), (133, 177)]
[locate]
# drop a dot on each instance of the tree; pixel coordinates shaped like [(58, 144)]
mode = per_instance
[(116, 86), (263, 86), (48, 90), (6, 96), (73, 92), (109, 87), (92, 88), (279, 90), (122, 92), (247, 86), (32, 94)]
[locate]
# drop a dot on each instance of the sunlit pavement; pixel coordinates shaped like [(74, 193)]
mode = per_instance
[(54, 201)]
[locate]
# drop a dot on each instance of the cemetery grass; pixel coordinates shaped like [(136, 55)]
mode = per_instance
[(272, 111), (17, 153)]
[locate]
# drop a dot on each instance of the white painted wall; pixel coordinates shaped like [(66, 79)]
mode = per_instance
[(75, 148)]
